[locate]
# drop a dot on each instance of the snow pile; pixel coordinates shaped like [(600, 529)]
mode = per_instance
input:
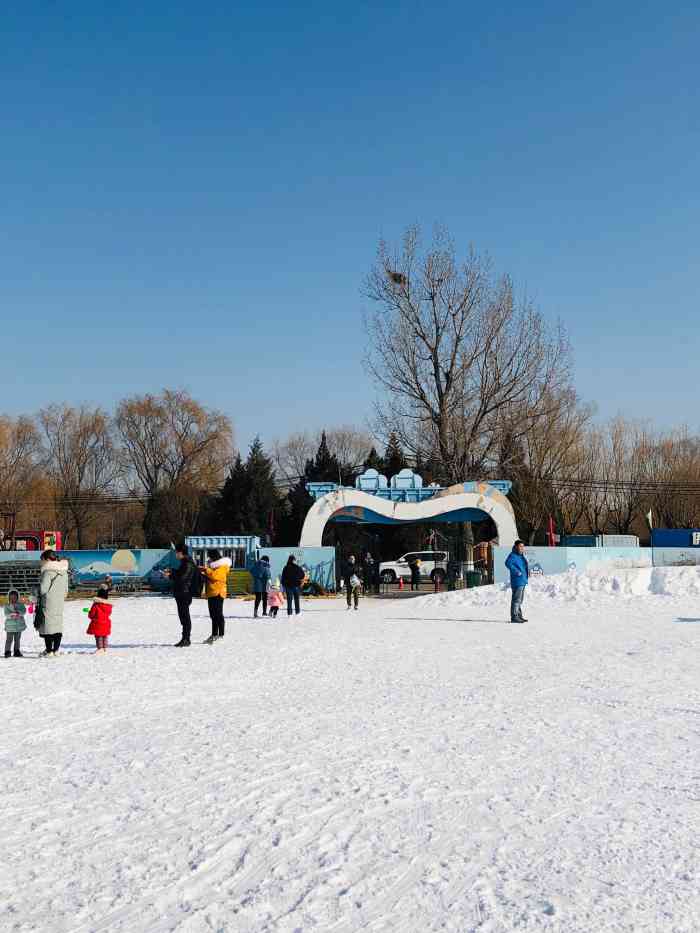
[(625, 584), (589, 586)]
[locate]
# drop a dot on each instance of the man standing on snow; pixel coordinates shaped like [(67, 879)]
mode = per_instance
[(517, 563), (185, 579), (351, 579), (261, 581)]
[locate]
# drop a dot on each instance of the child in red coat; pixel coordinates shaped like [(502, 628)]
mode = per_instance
[(100, 616)]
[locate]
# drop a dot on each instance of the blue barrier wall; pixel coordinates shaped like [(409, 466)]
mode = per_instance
[(319, 562), (545, 561), (676, 556)]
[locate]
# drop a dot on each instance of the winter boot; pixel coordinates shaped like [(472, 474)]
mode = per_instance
[(18, 654), (210, 640), (8, 654)]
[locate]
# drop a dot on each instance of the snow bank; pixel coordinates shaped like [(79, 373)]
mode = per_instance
[(595, 584)]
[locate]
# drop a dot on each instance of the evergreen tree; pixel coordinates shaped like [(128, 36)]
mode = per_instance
[(374, 461), (261, 492), (325, 467), (394, 457), (231, 504)]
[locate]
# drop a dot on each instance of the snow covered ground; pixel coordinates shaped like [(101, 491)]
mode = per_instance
[(415, 766)]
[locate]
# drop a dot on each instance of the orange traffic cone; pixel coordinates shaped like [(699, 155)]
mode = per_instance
[(400, 583)]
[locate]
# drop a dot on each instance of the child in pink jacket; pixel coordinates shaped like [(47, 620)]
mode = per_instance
[(274, 600)]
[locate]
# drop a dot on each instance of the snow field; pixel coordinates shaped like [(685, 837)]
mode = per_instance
[(416, 766)]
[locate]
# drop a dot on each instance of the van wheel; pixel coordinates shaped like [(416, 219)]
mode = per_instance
[(438, 576), (388, 576)]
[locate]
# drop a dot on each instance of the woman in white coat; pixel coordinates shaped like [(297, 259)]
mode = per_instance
[(53, 589)]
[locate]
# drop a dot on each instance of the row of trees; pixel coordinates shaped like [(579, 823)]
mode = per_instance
[(589, 478), (472, 382), (157, 455), (162, 466)]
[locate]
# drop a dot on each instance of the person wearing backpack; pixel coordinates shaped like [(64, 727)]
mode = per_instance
[(187, 583)]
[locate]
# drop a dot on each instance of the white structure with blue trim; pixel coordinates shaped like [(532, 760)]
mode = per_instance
[(405, 500)]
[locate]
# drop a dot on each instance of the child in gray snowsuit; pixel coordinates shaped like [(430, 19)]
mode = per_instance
[(14, 623)]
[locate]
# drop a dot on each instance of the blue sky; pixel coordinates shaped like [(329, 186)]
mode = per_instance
[(192, 194)]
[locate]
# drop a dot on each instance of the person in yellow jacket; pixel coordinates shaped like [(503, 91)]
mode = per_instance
[(215, 575)]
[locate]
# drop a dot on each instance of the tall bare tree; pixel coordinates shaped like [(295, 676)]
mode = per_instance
[(456, 357), (551, 461), (19, 454), (176, 452), (674, 465), (81, 460), (628, 446)]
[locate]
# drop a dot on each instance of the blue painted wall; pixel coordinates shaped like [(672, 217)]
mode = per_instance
[(319, 562), (545, 561), (127, 568)]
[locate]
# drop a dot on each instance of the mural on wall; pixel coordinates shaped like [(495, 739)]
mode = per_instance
[(545, 561), (318, 562), (127, 569)]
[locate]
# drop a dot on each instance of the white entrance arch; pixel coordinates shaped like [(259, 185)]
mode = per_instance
[(366, 508)]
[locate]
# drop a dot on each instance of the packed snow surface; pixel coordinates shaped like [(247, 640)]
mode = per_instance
[(418, 765)]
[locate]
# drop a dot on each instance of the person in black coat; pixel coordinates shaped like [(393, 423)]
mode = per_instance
[(183, 578), (350, 570), (292, 578), (415, 573)]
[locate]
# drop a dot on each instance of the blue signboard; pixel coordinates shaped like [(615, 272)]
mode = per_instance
[(675, 537)]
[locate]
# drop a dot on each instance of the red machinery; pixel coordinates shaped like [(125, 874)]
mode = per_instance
[(12, 540)]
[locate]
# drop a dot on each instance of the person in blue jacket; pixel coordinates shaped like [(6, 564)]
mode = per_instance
[(261, 582), (517, 563)]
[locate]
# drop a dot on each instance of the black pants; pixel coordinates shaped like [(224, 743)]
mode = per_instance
[(352, 593), (183, 611), (53, 642), (293, 594), (12, 639), (260, 598), (415, 583), (273, 611), (216, 612)]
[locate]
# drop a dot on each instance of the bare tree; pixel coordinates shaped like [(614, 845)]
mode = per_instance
[(349, 444), (673, 466), (551, 462), (459, 361), (19, 454), (291, 455), (176, 452), (81, 461), (628, 445)]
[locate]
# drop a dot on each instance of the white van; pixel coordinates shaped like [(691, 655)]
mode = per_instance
[(433, 566)]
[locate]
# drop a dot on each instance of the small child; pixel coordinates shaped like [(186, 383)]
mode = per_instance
[(14, 623), (274, 599), (100, 616)]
